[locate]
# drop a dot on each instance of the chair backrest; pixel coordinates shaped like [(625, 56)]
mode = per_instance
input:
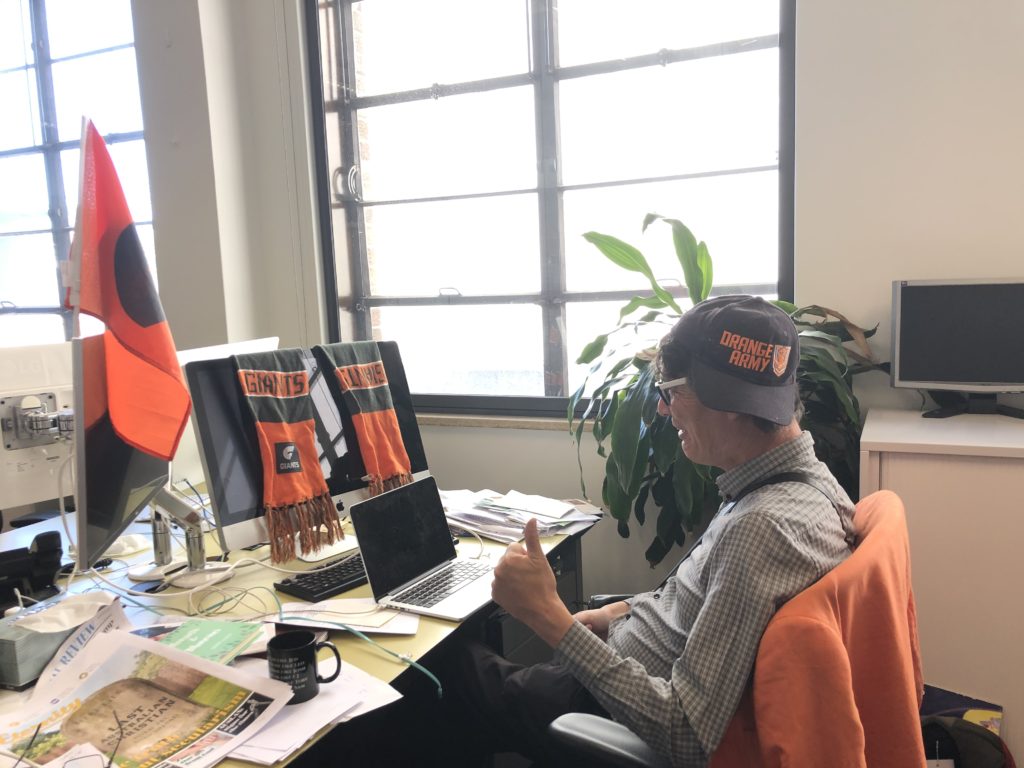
[(837, 681)]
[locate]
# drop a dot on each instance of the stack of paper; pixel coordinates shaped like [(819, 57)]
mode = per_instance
[(502, 517), (353, 693)]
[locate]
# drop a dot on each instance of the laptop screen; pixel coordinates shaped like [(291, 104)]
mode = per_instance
[(402, 534)]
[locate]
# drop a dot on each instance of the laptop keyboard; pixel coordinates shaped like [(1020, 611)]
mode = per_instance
[(326, 580), (443, 583)]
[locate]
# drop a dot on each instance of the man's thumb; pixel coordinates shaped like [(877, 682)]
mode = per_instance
[(532, 538)]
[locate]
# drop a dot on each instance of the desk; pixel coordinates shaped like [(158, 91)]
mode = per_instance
[(489, 623), (961, 480)]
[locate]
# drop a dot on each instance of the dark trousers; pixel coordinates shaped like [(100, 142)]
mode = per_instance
[(489, 705)]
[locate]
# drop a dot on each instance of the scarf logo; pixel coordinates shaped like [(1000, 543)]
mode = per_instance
[(286, 457)]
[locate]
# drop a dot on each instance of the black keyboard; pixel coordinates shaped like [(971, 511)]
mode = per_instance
[(440, 585), (325, 580)]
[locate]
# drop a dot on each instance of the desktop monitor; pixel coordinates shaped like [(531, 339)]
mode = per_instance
[(113, 480), (230, 453), (962, 336)]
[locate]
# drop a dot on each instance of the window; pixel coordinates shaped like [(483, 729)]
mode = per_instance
[(60, 60), (469, 145)]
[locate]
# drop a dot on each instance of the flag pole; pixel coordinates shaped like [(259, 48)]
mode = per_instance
[(75, 257)]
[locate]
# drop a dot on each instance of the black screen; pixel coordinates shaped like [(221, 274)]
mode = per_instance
[(967, 334), (402, 534), (227, 434)]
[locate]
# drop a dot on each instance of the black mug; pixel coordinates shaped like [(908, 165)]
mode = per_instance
[(292, 659)]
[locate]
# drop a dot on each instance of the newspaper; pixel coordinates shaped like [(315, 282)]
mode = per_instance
[(144, 703), (107, 618)]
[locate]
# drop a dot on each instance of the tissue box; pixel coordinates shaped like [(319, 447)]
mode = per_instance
[(24, 653)]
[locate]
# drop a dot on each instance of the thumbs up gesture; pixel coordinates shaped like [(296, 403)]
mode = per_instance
[(524, 585)]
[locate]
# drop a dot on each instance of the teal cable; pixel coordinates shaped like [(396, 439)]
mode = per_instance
[(361, 636)]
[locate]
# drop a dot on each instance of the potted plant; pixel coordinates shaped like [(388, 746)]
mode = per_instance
[(644, 461)]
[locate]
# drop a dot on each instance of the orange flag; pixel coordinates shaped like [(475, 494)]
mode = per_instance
[(146, 394)]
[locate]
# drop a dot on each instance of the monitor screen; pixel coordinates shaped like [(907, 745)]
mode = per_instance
[(958, 335), (230, 452), (113, 480)]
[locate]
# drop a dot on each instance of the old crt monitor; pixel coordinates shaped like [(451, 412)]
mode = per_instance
[(961, 336), (230, 453), (113, 480)]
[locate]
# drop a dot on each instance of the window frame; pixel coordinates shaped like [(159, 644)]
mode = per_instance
[(62, 222), (552, 296)]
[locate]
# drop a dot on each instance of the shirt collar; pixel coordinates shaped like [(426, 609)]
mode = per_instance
[(781, 458)]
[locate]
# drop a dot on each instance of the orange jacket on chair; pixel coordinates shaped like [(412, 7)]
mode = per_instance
[(837, 680)]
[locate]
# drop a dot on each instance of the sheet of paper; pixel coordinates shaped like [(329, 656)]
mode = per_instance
[(353, 693), (359, 613)]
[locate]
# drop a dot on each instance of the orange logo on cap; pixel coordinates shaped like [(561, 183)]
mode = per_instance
[(780, 359)]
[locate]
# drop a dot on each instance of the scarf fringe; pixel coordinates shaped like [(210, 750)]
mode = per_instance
[(307, 518), (379, 485)]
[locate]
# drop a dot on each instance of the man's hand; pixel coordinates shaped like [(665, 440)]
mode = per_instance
[(598, 619), (524, 585)]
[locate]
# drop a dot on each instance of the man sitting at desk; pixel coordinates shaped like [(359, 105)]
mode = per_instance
[(672, 664)]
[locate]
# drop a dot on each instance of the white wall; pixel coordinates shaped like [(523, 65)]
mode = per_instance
[(908, 153), (226, 120)]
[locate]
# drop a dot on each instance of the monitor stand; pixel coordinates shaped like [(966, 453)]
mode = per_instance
[(164, 564), (195, 571), (975, 403)]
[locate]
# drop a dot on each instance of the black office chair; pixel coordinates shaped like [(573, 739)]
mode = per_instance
[(602, 740)]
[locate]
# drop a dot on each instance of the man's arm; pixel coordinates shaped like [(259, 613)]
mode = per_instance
[(524, 585)]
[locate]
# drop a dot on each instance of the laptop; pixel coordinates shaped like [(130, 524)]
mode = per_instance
[(410, 557)]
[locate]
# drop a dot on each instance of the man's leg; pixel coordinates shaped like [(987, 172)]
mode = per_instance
[(499, 706)]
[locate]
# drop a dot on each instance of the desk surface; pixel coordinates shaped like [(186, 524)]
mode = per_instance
[(259, 580)]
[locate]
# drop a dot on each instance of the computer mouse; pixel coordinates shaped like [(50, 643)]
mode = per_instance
[(128, 544)]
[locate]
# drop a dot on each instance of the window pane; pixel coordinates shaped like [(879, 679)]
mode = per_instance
[(419, 248), (77, 27), (736, 215), (104, 88), (129, 159), (478, 350), (24, 204), (20, 97), (145, 232), (407, 44), (598, 30), (478, 142), (29, 330), (15, 34), (28, 271), (586, 320), (687, 117)]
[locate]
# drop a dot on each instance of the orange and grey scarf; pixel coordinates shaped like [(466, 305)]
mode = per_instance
[(295, 494), (364, 386)]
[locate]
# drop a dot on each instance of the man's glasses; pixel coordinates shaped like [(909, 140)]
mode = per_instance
[(665, 388)]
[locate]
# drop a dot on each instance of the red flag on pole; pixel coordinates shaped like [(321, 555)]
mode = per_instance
[(147, 398)]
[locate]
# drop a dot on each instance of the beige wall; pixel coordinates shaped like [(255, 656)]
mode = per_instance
[(908, 165)]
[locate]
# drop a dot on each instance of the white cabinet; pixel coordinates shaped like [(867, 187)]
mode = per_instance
[(962, 481)]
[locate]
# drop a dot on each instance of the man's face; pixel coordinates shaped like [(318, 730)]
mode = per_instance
[(704, 432)]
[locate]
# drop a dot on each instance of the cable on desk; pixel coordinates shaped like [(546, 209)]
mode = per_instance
[(404, 658)]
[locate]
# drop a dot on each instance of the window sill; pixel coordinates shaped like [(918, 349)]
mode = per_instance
[(493, 422)]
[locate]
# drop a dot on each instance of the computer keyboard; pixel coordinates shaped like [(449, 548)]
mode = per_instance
[(440, 585), (326, 580)]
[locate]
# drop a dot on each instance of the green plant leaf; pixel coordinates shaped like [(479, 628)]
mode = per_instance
[(693, 258), (614, 496), (592, 350), (651, 302), (626, 256)]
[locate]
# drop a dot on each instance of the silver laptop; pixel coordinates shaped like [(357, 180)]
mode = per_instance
[(410, 558)]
